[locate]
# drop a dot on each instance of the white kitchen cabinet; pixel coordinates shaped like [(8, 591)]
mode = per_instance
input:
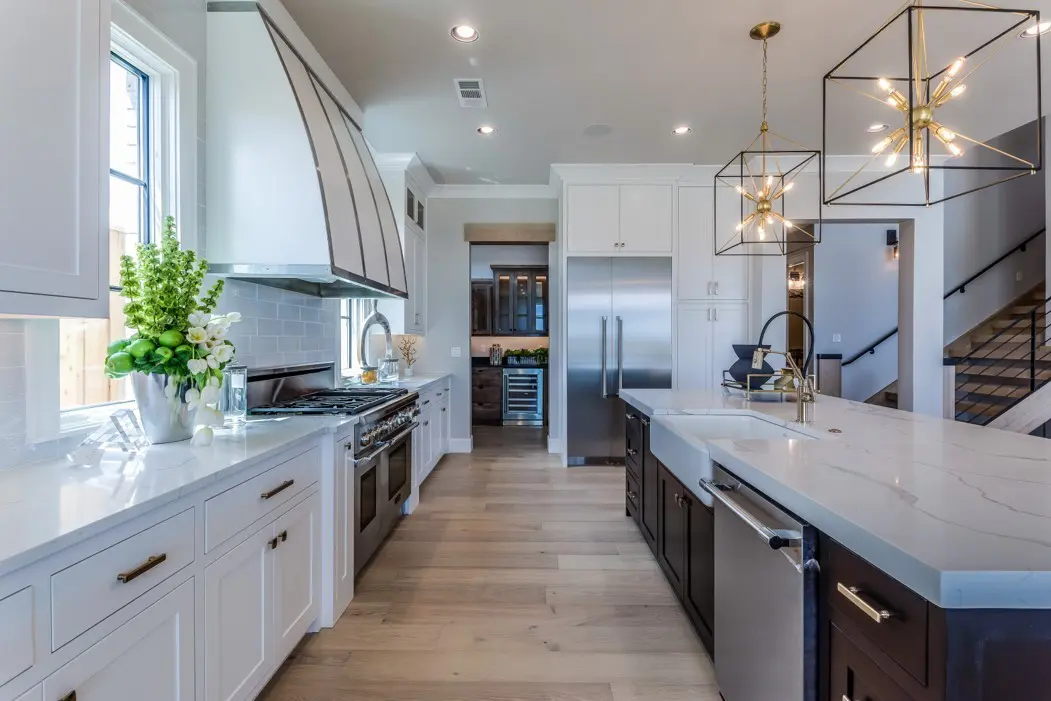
[(238, 635), (297, 569), (407, 316), (593, 221), (149, 657), (54, 214), (646, 219), (704, 343), (628, 219), (34, 694), (343, 562), (702, 274)]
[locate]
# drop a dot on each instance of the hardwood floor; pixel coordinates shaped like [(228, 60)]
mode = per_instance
[(515, 579)]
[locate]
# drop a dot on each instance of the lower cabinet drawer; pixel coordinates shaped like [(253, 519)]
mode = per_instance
[(632, 492), (232, 511), (16, 634), (89, 591), (855, 677)]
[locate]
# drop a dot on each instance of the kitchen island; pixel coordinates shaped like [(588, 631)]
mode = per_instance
[(951, 522)]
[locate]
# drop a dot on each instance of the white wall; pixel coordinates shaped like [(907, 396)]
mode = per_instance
[(449, 289), (484, 257), (855, 290)]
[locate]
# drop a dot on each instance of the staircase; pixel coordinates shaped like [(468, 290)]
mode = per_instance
[(1003, 361)]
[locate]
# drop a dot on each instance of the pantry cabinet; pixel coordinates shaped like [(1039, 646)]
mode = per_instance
[(707, 276), (149, 657), (706, 334), (620, 219), (54, 139)]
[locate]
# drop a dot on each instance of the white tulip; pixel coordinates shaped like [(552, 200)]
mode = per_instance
[(197, 366), (208, 416), (196, 335), (216, 332), (198, 319), (213, 381), (209, 395), (224, 353), (203, 437), (212, 361), (193, 397), (233, 317)]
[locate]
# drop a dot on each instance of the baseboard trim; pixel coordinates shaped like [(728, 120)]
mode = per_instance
[(554, 445), (461, 445)]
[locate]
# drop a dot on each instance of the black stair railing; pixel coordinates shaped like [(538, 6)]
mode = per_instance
[(1003, 370), (960, 288)]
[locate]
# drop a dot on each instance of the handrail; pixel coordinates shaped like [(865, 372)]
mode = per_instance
[(961, 288)]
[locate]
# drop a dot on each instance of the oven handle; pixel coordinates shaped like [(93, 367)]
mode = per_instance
[(380, 447), (776, 539)]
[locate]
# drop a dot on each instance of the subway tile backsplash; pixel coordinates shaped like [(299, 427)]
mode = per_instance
[(280, 327)]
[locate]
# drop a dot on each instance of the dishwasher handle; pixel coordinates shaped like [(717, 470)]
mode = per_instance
[(776, 539)]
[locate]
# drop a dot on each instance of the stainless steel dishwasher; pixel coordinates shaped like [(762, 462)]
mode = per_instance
[(523, 397), (765, 596)]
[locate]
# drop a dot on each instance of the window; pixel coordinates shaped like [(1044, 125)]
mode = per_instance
[(153, 173), (352, 315)]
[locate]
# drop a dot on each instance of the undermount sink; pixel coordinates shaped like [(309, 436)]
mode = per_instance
[(679, 442)]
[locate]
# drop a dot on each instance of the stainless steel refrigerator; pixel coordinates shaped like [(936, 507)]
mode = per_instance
[(619, 337)]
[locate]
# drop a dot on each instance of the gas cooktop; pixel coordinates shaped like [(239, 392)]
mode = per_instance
[(349, 401)]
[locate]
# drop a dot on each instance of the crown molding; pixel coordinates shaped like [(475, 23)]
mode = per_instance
[(494, 192)]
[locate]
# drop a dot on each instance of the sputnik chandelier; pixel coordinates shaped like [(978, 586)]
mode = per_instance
[(931, 105), (750, 190)]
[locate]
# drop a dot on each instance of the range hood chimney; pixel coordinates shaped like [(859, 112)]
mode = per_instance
[(294, 196)]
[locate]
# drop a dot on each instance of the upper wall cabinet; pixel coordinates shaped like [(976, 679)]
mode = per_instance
[(705, 275), (628, 219), (53, 168), (407, 316)]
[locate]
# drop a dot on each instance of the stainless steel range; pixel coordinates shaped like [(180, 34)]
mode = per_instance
[(380, 454)]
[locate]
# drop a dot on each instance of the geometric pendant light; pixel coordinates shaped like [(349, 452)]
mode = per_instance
[(751, 190), (915, 110)]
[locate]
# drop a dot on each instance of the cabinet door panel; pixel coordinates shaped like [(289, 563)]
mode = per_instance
[(700, 565), (297, 571), (238, 637), (671, 535), (419, 273), (650, 485), (53, 204), (34, 694), (693, 348), (854, 676), (593, 218), (729, 326), (695, 243), (646, 219), (149, 657)]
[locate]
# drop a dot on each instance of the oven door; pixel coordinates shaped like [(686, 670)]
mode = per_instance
[(368, 507), (397, 459)]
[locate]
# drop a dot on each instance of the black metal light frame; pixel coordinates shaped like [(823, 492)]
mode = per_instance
[(724, 179), (908, 12)]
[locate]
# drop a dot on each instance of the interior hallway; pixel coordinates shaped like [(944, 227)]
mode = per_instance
[(515, 579)]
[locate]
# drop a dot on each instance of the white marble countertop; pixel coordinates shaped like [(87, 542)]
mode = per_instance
[(416, 383), (48, 506), (961, 514)]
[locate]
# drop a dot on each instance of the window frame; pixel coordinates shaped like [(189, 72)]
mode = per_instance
[(172, 108)]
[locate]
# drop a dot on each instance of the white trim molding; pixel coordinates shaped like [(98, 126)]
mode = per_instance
[(461, 445)]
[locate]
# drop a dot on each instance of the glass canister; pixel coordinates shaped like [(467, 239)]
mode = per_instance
[(388, 370), (233, 395), (369, 375)]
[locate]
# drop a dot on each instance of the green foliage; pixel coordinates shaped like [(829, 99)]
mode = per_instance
[(161, 286)]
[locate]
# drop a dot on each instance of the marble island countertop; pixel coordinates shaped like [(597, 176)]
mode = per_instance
[(961, 514)]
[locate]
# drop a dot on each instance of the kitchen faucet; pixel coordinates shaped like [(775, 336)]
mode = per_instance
[(804, 385)]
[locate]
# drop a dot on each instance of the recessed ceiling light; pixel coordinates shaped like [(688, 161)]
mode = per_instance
[(1036, 30), (681, 131), (464, 33), (486, 130), (876, 128)]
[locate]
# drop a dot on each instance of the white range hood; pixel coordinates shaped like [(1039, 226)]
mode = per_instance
[(294, 196)]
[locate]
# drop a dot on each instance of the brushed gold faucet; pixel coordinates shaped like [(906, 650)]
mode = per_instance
[(805, 392)]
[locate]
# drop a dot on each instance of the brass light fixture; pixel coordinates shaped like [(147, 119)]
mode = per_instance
[(931, 106), (752, 186)]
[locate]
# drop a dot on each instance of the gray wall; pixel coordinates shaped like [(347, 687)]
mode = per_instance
[(449, 289), (856, 296), (484, 257)]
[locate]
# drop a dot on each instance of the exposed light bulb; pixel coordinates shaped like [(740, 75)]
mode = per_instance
[(762, 234), (740, 190), (917, 164), (884, 85), (946, 134), (958, 90), (740, 226), (892, 102), (892, 159), (956, 66), (884, 143), (788, 187), (769, 180), (788, 224), (955, 150), (769, 219)]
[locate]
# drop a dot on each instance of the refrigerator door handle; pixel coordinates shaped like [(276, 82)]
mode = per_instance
[(620, 355), (605, 395)]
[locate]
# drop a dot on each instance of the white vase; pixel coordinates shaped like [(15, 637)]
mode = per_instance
[(408, 372)]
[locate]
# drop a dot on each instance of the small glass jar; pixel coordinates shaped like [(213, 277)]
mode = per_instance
[(388, 371), (233, 395), (369, 375)]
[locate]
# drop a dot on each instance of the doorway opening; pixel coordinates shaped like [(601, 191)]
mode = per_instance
[(510, 339)]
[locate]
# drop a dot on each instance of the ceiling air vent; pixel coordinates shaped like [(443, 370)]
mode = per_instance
[(471, 92)]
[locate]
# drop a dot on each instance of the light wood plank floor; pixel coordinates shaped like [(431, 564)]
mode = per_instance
[(515, 579)]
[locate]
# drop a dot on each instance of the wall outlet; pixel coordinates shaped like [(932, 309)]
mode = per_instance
[(1018, 276), (456, 351), (837, 338)]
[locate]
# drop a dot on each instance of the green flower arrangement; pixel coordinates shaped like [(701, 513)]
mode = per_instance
[(176, 333)]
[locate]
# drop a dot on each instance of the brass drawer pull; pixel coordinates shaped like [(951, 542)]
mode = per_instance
[(853, 595), (632, 451), (71, 696), (278, 489), (125, 577), (283, 535)]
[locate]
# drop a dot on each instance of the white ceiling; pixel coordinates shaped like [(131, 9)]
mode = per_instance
[(553, 67)]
